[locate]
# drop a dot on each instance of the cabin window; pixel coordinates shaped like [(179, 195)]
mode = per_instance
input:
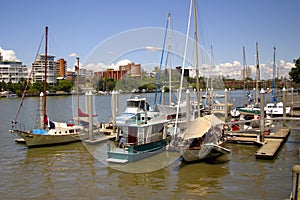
[(66, 131), (71, 131)]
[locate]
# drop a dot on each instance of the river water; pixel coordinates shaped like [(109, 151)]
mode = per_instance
[(73, 172)]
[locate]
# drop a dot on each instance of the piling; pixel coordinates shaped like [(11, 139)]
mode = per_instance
[(117, 103), (208, 100), (90, 113), (113, 106), (200, 96), (226, 105), (188, 106), (262, 115), (295, 190), (292, 104), (163, 97), (284, 104), (41, 109)]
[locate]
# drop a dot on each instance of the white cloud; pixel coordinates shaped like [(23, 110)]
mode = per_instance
[(115, 66), (233, 70), (8, 55), (73, 55), (151, 48)]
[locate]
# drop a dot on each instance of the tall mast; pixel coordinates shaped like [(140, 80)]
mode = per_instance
[(170, 69), (45, 76), (257, 77), (197, 62), (245, 70), (273, 80), (77, 88)]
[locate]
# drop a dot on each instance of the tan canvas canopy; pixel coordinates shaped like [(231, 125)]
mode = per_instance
[(200, 126)]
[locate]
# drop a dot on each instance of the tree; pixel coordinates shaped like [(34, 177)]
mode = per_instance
[(64, 85), (295, 72)]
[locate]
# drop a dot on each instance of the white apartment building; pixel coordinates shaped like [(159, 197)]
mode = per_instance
[(38, 69), (12, 71)]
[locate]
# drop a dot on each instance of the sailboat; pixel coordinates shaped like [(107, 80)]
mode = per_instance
[(275, 108), (203, 136), (49, 132)]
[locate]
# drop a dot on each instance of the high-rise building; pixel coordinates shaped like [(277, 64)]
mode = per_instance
[(12, 71), (38, 69), (61, 68)]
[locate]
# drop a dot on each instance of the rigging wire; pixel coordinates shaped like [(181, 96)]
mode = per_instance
[(183, 63), (161, 60), (27, 83)]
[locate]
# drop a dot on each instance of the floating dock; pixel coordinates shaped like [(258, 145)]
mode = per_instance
[(99, 139), (269, 147)]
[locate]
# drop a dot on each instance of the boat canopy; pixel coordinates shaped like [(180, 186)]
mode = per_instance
[(200, 126)]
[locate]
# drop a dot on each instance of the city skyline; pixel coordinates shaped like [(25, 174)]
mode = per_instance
[(76, 28)]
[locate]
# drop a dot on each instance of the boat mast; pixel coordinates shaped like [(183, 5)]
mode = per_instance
[(77, 89), (257, 77), (244, 68), (183, 63), (273, 80), (170, 69), (197, 62), (45, 79)]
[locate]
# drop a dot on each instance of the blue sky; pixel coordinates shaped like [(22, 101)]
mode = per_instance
[(78, 26)]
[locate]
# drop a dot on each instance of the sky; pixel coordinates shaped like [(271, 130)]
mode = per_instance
[(80, 27)]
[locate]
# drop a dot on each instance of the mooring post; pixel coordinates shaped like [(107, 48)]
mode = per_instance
[(262, 115), (117, 103), (200, 101), (163, 97), (113, 108), (284, 105), (212, 98), (226, 105), (295, 186), (90, 113), (292, 104), (41, 104), (208, 100), (188, 106)]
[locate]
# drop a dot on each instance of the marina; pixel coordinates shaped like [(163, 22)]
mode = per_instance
[(114, 105), (226, 178)]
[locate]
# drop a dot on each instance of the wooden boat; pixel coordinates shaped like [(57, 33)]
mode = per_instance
[(48, 132), (203, 139)]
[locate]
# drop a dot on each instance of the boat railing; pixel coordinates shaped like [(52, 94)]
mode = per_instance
[(18, 126)]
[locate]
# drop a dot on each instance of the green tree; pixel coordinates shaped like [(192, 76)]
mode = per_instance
[(295, 72), (64, 85)]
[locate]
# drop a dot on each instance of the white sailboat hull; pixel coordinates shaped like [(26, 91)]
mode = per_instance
[(37, 140)]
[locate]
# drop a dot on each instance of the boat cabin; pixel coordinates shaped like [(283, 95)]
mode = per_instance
[(137, 105)]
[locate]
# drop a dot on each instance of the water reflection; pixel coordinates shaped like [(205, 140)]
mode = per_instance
[(52, 171)]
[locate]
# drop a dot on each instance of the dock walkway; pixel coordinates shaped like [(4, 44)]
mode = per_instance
[(269, 147)]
